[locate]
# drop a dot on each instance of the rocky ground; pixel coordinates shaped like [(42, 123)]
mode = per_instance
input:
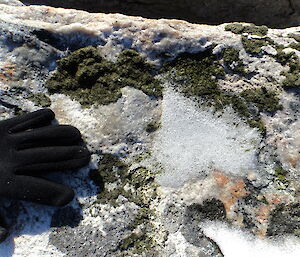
[(193, 129)]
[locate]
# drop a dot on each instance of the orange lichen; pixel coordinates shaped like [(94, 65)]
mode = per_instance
[(7, 71), (293, 161), (220, 178), (263, 213), (231, 189), (237, 189)]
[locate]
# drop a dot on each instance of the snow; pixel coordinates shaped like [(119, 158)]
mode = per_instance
[(194, 141), (235, 243)]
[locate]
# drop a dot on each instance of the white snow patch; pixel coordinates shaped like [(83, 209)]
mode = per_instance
[(236, 243), (178, 242), (32, 240), (193, 141)]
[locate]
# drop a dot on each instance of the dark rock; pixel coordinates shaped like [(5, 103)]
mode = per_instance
[(281, 13), (212, 209), (285, 219), (67, 216)]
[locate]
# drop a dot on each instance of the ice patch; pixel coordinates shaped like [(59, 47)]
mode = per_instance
[(235, 243), (193, 141)]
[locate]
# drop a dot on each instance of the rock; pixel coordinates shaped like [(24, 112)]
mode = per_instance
[(11, 2), (193, 130), (280, 14), (285, 219)]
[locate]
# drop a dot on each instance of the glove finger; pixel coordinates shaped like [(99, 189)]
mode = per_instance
[(52, 154), (48, 136), (65, 165), (31, 120), (40, 191)]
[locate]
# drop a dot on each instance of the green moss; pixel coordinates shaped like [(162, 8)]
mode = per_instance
[(282, 57), (197, 76), (253, 46), (263, 99), (230, 55), (241, 106), (200, 72), (281, 176), (233, 62), (250, 29), (139, 243), (256, 30), (138, 186), (257, 123), (142, 156), (294, 36), (295, 46), (237, 103), (235, 28), (40, 99), (152, 126), (90, 79), (143, 216), (110, 169), (292, 79)]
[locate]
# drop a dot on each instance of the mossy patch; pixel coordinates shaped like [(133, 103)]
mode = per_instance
[(110, 169), (152, 127), (233, 62), (90, 79), (282, 57), (292, 79), (40, 99), (252, 29), (197, 76), (235, 28), (291, 60), (200, 73), (138, 242), (294, 36), (281, 177), (265, 100), (138, 186), (253, 45), (295, 46)]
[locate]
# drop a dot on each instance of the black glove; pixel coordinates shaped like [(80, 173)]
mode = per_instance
[(3, 230), (29, 147)]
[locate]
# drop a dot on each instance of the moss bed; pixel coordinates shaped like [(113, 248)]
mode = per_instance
[(90, 79), (198, 76)]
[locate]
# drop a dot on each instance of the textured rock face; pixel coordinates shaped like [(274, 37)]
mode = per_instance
[(282, 13), (194, 131)]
